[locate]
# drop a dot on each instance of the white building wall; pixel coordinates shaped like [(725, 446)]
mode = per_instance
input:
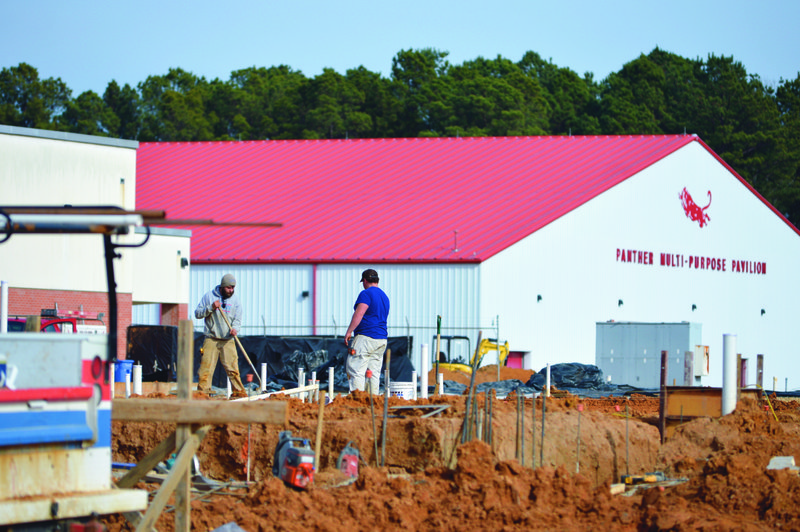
[(146, 314), (417, 294), (273, 300), (573, 264), (49, 168), (271, 295), (160, 276)]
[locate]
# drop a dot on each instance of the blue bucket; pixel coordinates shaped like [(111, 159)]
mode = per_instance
[(122, 368)]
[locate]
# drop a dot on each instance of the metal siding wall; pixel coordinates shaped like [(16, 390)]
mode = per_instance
[(147, 314), (271, 296), (418, 293)]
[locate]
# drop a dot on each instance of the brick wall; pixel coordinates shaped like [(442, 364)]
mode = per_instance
[(173, 314), (30, 302)]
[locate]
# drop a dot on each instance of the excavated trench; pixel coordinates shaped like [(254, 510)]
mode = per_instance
[(555, 480)]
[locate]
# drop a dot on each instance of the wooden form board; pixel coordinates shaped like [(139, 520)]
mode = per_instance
[(199, 412), (684, 403)]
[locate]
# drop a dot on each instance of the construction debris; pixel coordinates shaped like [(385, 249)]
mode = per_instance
[(783, 462)]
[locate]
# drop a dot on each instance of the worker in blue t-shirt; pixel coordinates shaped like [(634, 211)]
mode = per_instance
[(369, 326)]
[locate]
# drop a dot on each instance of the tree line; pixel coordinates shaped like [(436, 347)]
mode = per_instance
[(754, 127)]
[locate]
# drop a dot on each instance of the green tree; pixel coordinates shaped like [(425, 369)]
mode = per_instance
[(420, 88), (378, 102), (124, 104), (494, 97), (787, 195), (88, 114), (336, 107), (739, 119), (27, 101), (266, 103), (632, 100), (173, 108), (573, 101), (324, 99)]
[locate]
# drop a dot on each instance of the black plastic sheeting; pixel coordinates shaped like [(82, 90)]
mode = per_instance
[(584, 380), (155, 348)]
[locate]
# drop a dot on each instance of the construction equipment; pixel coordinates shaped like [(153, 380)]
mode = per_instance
[(58, 419), (52, 320), (347, 462), (650, 478), (293, 461), (456, 349)]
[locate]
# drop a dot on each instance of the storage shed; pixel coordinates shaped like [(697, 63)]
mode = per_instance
[(532, 239)]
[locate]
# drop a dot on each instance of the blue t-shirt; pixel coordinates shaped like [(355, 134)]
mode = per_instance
[(373, 324)]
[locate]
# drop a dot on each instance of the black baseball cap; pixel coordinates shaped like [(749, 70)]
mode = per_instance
[(371, 276)]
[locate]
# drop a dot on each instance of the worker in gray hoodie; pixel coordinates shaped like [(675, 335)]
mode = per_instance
[(219, 342)]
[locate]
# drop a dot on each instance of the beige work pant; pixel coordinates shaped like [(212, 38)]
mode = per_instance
[(225, 351), (368, 355)]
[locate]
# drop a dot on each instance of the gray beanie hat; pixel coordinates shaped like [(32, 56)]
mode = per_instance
[(228, 280)]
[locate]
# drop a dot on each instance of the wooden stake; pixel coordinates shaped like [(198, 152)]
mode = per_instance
[(372, 412), (466, 434), (385, 407), (522, 427), (183, 493), (319, 431)]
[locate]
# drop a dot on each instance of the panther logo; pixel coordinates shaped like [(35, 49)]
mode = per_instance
[(692, 210)]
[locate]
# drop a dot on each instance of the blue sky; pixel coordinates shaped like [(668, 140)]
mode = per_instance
[(87, 43)]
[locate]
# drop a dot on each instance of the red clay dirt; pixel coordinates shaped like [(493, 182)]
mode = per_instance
[(430, 481)]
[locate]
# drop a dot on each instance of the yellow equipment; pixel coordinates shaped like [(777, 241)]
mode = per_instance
[(457, 355)]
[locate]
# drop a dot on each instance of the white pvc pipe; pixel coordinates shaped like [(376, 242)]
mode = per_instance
[(228, 387), (330, 384), (263, 377), (547, 382), (425, 359), (137, 379), (729, 370), (414, 380), (127, 385), (314, 395), (111, 368), (440, 383), (301, 381), (3, 306)]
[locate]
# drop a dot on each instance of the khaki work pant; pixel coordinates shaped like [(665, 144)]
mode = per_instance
[(368, 355), (225, 351)]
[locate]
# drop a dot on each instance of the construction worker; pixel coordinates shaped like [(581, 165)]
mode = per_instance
[(369, 326), (220, 343)]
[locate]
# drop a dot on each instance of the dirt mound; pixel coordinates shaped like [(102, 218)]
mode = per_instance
[(431, 481)]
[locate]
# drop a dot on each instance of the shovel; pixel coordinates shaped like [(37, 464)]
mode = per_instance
[(238, 343)]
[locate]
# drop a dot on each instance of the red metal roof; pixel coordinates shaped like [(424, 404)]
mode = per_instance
[(382, 200)]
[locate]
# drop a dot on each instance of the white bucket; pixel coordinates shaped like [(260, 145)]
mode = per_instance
[(402, 389)]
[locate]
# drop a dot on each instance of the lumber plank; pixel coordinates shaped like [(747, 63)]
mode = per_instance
[(182, 463), (291, 391), (161, 452), (199, 412)]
